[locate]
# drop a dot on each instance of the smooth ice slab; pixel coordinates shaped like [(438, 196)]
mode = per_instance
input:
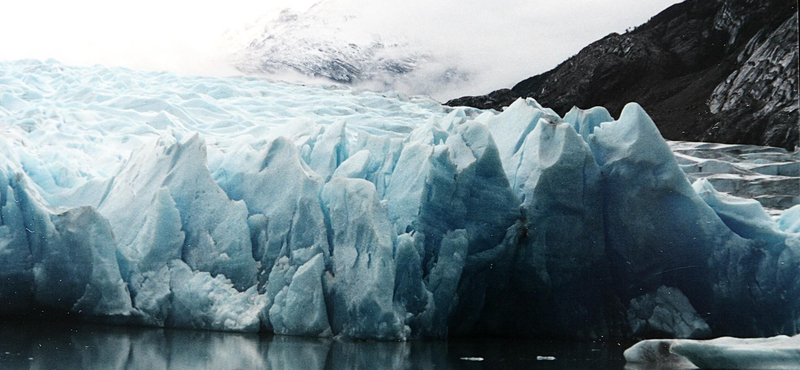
[(781, 352)]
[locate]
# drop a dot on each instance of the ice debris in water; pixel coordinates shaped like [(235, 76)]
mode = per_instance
[(248, 205), (779, 352)]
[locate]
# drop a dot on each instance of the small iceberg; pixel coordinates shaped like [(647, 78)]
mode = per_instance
[(779, 352)]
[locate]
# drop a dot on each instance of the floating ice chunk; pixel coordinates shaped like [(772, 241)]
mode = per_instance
[(734, 353), (363, 264), (666, 312), (655, 353), (299, 309), (780, 352)]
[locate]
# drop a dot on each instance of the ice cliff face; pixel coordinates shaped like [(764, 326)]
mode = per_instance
[(246, 205)]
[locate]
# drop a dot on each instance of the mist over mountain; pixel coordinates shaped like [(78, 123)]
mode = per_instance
[(441, 49), (329, 42)]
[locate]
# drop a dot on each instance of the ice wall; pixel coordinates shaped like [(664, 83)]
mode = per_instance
[(246, 205)]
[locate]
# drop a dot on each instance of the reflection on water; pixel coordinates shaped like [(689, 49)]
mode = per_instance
[(88, 347)]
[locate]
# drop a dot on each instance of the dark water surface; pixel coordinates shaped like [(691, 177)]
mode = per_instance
[(45, 346)]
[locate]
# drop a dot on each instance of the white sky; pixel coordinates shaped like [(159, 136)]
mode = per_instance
[(509, 39)]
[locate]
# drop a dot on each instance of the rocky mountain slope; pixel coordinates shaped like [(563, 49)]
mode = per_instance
[(721, 71)]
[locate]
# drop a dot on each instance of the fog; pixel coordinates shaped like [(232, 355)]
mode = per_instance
[(499, 42)]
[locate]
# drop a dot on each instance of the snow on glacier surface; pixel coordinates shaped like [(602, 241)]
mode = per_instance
[(244, 204)]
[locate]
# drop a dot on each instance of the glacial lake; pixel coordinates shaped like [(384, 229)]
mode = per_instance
[(45, 346)]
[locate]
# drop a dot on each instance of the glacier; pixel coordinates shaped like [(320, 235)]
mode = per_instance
[(245, 204)]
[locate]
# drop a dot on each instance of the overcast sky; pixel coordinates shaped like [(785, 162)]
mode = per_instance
[(509, 39)]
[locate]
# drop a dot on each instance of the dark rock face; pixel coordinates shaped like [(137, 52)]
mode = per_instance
[(723, 71)]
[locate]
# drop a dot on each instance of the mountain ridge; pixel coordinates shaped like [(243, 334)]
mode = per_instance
[(722, 71)]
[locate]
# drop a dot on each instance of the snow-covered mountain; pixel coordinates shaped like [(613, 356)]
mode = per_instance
[(334, 40)]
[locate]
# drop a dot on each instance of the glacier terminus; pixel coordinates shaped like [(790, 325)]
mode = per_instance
[(243, 204)]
